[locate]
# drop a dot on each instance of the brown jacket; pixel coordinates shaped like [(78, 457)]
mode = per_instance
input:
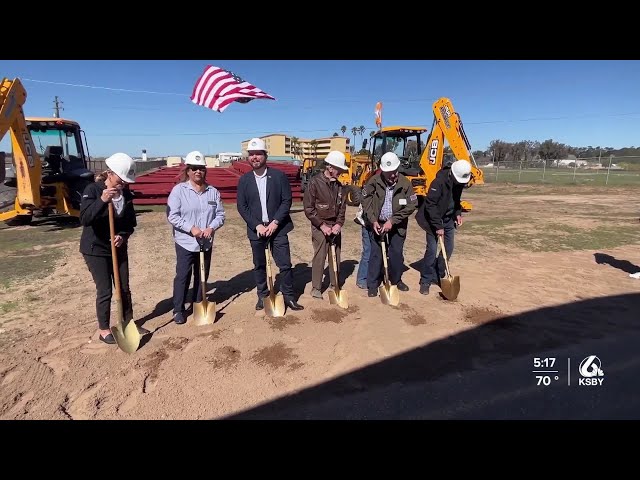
[(324, 201), (403, 204)]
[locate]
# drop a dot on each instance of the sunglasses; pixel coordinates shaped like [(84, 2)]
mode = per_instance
[(194, 168)]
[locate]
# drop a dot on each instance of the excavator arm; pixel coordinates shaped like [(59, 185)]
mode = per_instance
[(448, 126), (25, 157)]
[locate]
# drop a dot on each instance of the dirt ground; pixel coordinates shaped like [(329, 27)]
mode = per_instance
[(518, 251)]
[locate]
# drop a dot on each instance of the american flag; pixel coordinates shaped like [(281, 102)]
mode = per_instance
[(218, 88)]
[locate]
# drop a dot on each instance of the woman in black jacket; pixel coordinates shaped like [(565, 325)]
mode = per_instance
[(95, 242)]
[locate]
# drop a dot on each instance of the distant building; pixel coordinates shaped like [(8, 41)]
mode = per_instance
[(281, 145), (228, 157)]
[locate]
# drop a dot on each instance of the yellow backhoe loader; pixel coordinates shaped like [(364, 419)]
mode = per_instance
[(49, 162), (421, 160)]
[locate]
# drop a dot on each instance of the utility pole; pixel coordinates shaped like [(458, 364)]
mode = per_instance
[(56, 107)]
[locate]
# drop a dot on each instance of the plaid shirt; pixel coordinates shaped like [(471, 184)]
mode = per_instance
[(387, 208)]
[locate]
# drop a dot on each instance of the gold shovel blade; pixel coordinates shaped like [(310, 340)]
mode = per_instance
[(339, 297), (450, 287), (127, 336), (389, 294), (274, 305), (204, 313)]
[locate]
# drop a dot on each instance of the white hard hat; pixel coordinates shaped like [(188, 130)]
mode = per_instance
[(461, 170), (123, 166), (256, 144), (389, 162), (195, 158), (337, 159)]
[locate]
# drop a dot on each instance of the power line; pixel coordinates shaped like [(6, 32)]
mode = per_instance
[(488, 122)]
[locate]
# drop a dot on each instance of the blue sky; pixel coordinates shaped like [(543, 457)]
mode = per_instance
[(579, 103)]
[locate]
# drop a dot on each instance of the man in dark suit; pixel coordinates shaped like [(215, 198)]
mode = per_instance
[(264, 201)]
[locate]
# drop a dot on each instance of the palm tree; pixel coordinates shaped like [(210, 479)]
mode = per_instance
[(343, 129), (354, 131)]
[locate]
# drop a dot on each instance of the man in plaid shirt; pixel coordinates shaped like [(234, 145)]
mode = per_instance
[(388, 200)]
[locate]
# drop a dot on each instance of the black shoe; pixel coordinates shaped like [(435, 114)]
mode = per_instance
[(260, 304), (424, 289), (108, 339), (293, 305), (403, 287), (372, 292), (179, 318)]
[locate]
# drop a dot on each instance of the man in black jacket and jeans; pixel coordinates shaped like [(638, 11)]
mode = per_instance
[(438, 216)]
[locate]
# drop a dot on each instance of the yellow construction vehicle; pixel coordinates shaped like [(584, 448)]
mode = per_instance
[(360, 169), (307, 170), (49, 161), (353, 179), (420, 161)]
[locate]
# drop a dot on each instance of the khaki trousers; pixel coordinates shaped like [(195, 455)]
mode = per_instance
[(321, 247)]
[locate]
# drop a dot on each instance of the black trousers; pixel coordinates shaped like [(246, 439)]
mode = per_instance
[(186, 262), (281, 254), (101, 269), (395, 264)]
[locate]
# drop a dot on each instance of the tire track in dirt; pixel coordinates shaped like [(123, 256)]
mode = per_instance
[(35, 381)]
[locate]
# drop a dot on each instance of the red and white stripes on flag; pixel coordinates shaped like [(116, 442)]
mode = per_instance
[(218, 88)]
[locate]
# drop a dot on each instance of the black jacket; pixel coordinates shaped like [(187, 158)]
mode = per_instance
[(278, 202), (94, 217), (442, 201)]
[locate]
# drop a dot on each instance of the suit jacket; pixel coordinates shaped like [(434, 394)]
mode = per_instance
[(278, 202)]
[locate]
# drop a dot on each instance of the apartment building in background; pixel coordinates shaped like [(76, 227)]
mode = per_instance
[(282, 146)]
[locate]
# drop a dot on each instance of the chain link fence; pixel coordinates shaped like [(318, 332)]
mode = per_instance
[(584, 171)]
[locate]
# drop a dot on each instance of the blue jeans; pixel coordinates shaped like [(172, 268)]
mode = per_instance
[(433, 269), (363, 266)]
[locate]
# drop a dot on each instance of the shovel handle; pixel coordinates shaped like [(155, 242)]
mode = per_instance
[(444, 253), (114, 253), (267, 254), (384, 260)]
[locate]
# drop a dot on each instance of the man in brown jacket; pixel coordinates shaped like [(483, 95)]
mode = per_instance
[(388, 200), (324, 206)]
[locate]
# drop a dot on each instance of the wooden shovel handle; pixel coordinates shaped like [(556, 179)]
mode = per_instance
[(444, 253), (114, 253), (384, 260)]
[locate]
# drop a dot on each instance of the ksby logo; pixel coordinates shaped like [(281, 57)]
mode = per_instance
[(591, 371)]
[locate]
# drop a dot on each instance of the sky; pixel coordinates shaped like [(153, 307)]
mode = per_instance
[(130, 105)]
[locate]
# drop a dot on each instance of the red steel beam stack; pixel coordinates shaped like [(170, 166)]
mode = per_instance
[(153, 187)]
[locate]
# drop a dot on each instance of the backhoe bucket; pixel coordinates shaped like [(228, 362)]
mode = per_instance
[(389, 294), (204, 312), (274, 303), (336, 296)]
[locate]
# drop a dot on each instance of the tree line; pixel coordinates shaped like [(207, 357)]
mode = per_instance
[(548, 151)]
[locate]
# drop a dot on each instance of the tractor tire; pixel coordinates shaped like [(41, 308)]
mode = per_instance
[(354, 195)]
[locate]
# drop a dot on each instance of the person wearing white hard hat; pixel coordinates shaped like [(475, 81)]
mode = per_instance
[(325, 205), (439, 215), (264, 201), (195, 211), (388, 200), (95, 241)]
